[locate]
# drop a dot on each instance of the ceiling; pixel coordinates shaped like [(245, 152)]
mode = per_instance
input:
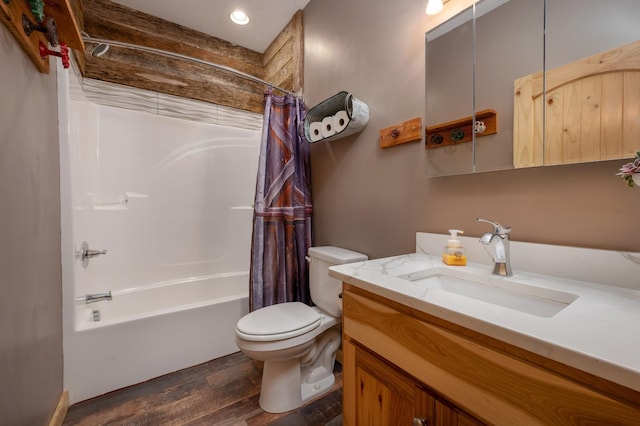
[(268, 17)]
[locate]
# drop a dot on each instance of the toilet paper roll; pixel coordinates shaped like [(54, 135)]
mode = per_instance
[(340, 121), (328, 129), (315, 131)]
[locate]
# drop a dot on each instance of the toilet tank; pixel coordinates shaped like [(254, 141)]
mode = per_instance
[(325, 290)]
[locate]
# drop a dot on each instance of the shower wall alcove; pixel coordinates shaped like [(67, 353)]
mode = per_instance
[(165, 185)]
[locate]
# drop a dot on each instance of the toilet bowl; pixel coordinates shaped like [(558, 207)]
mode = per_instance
[(297, 342)]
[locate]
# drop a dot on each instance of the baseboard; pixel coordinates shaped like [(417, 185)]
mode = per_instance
[(61, 410)]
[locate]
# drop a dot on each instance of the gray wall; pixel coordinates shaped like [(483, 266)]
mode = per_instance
[(30, 272), (374, 200)]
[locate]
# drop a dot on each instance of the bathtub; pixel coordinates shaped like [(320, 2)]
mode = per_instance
[(170, 201), (154, 330)]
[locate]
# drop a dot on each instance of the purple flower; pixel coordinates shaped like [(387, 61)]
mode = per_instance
[(630, 169)]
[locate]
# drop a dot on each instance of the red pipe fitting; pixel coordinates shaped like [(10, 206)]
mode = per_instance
[(62, 54)]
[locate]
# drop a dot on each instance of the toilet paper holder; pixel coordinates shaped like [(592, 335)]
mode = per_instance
[(336, 117)]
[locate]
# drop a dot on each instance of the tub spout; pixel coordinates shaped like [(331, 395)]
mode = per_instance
[(92, 298)]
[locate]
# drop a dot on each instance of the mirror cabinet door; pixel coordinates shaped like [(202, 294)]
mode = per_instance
[(449, 94), (592, 80), (509, 44), (472, 62)]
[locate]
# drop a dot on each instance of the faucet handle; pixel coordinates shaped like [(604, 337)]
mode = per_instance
[(497, 228)]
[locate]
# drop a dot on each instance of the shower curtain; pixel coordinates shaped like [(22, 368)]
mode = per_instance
[(282, 212)]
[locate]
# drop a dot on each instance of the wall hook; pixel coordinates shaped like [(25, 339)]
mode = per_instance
[(63, 53), (50, 29), (37, 8)]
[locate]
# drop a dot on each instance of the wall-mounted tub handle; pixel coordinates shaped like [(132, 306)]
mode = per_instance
[(94, 253), (86, 253)]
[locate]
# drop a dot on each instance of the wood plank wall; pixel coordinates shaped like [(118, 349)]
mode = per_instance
[(284, 58), (281, 63)]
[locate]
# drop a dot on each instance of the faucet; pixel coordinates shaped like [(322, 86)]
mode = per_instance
[(92, 298), (500, 240)]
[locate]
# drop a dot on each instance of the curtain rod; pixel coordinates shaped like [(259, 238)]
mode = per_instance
[(185, 57)]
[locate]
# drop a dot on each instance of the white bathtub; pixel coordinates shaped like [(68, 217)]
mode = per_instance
[(170, 200), (154, 330)]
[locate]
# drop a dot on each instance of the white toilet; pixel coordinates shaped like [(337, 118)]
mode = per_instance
[(298, 343)]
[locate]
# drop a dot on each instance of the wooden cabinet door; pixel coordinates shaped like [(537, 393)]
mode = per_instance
[(385, 396), (449, 415)]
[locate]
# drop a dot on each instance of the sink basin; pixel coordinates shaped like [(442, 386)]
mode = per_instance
[(505, 292)]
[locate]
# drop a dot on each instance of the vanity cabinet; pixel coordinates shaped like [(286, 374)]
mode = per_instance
[(385, 395), (402, 364)]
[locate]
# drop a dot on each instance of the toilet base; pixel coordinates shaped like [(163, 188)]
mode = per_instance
[(286, 393), (280, 389), (284, 383), (313, 390)]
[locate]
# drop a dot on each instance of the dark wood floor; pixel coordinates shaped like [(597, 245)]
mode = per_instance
[(224, 391)]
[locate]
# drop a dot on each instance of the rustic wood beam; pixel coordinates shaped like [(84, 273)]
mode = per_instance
[(176, 77), (281, 64)]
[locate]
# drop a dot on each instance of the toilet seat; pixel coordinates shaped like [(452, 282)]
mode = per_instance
[(278, 322)]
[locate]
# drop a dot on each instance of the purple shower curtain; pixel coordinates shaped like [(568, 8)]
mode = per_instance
[(282, 213)]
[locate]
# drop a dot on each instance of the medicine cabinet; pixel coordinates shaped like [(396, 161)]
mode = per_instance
[(563, 77)]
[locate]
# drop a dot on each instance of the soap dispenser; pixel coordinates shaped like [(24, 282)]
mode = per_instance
[(454, 254)]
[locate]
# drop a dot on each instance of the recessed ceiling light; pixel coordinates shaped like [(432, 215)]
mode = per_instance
[(239, 17)]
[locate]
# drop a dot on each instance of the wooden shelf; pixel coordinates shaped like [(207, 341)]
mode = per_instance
[(60, 10), (409, 131), (461, 130)]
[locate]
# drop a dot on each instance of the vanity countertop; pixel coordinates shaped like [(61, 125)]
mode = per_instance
[(598, 333)]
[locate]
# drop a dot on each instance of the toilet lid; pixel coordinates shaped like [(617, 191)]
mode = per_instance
[(277, 322)]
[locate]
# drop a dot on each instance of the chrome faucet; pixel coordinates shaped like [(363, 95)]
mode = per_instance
[(92, 298), (85, 253), (499, 238)]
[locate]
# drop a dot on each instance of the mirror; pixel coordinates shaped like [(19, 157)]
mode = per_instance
[(510, 44), (579, 35), (450, 75)]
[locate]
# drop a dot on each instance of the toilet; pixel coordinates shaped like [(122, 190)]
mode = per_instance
[(298, 343)]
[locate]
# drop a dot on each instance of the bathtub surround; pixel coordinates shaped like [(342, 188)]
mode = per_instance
[(118, 96), (282, 218), (162, 195)]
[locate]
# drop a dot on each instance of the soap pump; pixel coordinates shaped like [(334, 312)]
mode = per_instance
[(454, 253)]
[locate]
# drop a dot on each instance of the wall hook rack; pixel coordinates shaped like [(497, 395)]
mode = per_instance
[(60, 11), (63, 54), (408, 131), (462, 130), (49, 29)]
